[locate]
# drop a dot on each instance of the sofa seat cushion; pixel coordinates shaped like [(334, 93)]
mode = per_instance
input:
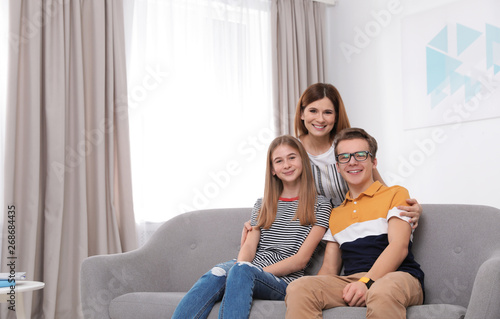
[(443, 311), (144, 305), (162, 304), (152, 305)]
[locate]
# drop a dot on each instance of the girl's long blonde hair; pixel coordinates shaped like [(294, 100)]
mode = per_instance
[(274, 187)]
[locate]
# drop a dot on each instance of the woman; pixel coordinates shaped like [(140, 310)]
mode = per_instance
[(319, 116)]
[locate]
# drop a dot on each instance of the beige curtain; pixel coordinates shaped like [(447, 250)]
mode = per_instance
[(298, 29), (67, 145)]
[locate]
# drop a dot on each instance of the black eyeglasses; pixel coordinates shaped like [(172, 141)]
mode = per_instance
[(360, 156)]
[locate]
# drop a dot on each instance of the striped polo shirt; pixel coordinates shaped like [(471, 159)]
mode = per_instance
[(285, 236), (360, 226)]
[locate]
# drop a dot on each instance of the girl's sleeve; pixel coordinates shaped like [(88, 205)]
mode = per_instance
[(255, 212), (323, 210)]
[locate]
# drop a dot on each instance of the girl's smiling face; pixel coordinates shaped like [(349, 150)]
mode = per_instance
[(286, 164)]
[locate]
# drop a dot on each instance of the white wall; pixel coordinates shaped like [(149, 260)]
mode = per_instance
[(434, 163)]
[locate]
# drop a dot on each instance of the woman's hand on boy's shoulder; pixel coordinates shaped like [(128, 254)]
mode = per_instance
[(414, 211)]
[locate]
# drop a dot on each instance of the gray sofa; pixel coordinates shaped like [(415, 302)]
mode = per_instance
[(458, 247)]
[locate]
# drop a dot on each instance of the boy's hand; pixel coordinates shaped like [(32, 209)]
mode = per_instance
[(246, 228), (354, 294), (414, 211)]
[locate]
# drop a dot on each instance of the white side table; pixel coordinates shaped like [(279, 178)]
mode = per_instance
[(21, 287)]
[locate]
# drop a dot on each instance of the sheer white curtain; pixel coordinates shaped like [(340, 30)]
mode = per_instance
[(4, 24), (200, 101)]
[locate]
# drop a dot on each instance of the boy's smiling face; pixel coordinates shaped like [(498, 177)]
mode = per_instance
[(358, 175)]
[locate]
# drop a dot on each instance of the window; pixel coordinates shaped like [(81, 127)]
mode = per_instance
[(200, 104)]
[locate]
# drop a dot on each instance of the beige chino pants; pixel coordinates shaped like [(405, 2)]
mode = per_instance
[(387, 298)]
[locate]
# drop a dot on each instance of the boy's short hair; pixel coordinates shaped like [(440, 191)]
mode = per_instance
[(356, 133)]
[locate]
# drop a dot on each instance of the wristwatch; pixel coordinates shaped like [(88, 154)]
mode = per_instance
[(368, 282)]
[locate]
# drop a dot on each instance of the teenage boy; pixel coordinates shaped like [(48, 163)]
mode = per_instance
[(369, 237)]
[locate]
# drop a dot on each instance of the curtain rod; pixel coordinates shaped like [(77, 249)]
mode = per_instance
[(330, 2)]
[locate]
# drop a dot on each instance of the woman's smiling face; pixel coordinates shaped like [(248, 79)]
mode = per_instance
[(319, 117)]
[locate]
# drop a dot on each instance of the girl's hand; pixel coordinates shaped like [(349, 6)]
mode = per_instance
[(246, 228), (414, 211)]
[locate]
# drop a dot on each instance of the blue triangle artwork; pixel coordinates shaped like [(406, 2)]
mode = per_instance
[(442, 66)]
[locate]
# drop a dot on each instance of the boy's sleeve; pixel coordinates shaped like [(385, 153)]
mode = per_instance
[(400, 196), (328, 236)]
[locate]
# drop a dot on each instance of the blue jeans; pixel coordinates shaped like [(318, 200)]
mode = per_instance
[(236, 284)]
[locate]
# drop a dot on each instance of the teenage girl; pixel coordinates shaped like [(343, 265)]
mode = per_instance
[(287, 226)]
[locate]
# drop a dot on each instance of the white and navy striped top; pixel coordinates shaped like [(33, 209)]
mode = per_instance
[(327, 178), (285, 236)]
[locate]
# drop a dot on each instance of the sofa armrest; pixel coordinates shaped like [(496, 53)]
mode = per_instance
[(105, 277), (177, 254), (484, 298)]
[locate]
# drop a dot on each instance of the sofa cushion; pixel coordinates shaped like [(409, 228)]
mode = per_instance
[(145, 305), (152, 305), (414, 312), (442, 311)]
